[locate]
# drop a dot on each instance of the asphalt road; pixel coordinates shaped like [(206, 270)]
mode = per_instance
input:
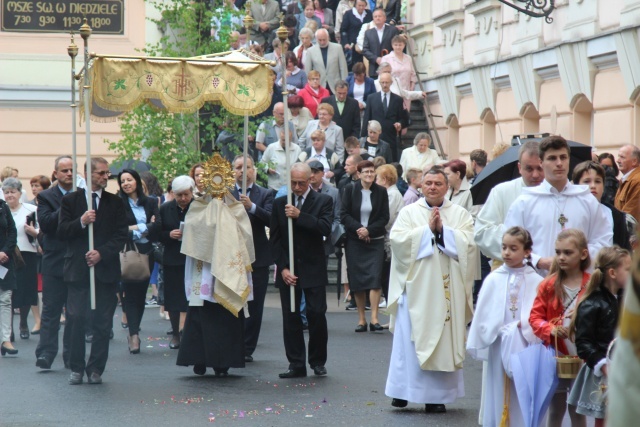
[(150, 390)]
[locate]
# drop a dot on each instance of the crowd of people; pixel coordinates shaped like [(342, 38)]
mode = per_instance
[(554, 253)]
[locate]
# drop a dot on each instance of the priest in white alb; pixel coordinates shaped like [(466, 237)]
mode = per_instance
[(430, 298), (556, 205), (489, 226)]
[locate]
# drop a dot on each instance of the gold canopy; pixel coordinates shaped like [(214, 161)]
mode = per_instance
[(240, 81)]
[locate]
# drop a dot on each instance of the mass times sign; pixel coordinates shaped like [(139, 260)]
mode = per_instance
[(62, 16)]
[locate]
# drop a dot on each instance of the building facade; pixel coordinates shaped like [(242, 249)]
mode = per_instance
[(35, 84), (492, 72)]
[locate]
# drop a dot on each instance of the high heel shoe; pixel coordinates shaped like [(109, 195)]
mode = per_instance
[(4, 350), (134, 344)]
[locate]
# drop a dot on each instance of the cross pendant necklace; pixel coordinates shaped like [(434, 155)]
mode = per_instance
[(562, 220)]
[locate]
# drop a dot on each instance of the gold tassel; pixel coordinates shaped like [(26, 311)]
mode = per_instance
[(504, 422)]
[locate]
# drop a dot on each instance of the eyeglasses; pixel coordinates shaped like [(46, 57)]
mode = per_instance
[(367, 172), (299, 183), (102, 173)]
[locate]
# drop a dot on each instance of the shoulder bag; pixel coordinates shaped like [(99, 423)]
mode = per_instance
[(134, 266)]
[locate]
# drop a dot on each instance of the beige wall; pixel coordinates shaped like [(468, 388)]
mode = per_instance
[(35, 96), (494, 72)]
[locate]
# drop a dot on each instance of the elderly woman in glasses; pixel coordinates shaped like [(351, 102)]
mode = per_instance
[(365, 214)]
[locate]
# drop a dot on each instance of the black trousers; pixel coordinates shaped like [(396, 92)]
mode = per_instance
[(293, 334), (134, 303), (78, 312), (54, 296), (253, 323)]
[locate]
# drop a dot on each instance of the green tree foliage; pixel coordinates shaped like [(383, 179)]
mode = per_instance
[(174, 142)]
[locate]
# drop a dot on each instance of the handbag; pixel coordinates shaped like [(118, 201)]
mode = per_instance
[(158, 252), (17, 259), (338, 235), (134, 266)]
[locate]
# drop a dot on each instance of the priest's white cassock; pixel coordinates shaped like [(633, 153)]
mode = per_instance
[(506, 298), (430, 302), (544, 212), (489, 226)]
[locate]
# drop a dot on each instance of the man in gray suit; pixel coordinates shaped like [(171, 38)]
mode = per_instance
[(328, 59), (265, 13), (319, 185)]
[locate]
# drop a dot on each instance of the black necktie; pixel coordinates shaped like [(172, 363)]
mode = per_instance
[(299, 204), (94, 197), (384, 103)]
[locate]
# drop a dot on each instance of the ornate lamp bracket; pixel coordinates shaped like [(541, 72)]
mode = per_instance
[(534, 8)]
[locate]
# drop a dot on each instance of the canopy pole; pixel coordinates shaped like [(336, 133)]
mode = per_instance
[(72, 50), (85, 33), (283, 34), (248, 24)]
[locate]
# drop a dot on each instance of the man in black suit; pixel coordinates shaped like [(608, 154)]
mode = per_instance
[(54, 290), (387, 108), (346, 110), (110, 233), (377, 41), (258, 202), (352, 22), (312, 215)]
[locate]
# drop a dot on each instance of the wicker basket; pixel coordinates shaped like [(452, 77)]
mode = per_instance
[(567, 366)]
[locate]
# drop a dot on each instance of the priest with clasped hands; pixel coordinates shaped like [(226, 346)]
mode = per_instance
[(433, 267)]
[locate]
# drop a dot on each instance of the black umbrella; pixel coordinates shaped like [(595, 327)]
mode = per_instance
[(136, 165), (505, 168)]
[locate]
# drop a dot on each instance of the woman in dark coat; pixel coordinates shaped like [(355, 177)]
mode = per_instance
[(8, 242), (364, 214), (170, 234), (143, 220)]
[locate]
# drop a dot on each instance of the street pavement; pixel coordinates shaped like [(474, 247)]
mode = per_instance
[(148, 389)]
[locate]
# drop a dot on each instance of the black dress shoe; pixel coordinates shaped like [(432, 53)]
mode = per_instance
[(5, 350), (221, 372), (319, 370), (361, 328), (248, 358), (199, 369), (398, 403), (124, 325), (175, 343), (75, 378), (294, 373), (43, 363), (435, 408), (88, 338), (24, 334), (170, 332), (94, 378), (375, 327)]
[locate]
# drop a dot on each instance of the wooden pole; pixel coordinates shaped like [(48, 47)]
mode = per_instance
[(85, 32)]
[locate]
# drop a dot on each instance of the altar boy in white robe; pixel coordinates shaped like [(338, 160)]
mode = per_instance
[(556, 205), (501, 326), (430, 298)]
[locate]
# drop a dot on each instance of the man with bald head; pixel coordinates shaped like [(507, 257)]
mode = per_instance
[(312, 215), (269, 131), (328, 59), (388, 109), (628, 195)]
